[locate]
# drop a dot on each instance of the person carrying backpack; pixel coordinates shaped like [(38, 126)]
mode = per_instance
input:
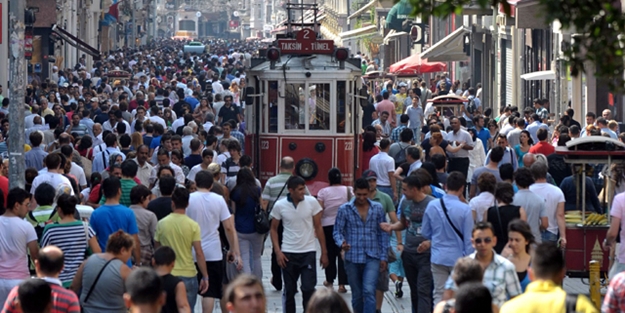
[(398, 149), (471, 107), (45, 213)]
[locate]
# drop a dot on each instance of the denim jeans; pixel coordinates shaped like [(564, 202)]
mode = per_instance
[(419, 275), (417, 135), (362, 279), (616, 269), (549, 236), (251, 246), (387, 190), (299, 264), (191, 284)]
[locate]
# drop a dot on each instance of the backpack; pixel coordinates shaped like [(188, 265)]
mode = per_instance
[(400, 157), (41, 225), (471, 107)]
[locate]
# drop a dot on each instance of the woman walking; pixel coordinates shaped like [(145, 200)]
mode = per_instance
[(331, 198)]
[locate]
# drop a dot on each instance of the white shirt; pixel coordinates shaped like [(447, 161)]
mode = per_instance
[(177, 123), (480, 204), (15, 234), (177, 172), (381, 164), (461, 136), (159, 120), (144, 172), (208, 209), (218, 88), (59, 182), (79, 173), (193, 171), (553, 196), (299, 230)]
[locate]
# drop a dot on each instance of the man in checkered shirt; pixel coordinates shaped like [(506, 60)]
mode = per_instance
[(499, 274), (541, 110)]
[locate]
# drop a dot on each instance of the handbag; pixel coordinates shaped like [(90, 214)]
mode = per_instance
[(261, 220)]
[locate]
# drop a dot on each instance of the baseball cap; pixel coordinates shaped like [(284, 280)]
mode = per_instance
[(369, 174), (213, 168)]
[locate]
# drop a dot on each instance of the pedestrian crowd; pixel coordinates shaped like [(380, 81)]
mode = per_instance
[(139, 196)]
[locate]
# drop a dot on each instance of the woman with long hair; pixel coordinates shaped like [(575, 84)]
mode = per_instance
[(168, 117), (502, 213), (107, 293), (136, 140), (84, 146), (244, 201), (520, 241), (369, 149), (176, 158), (524, 147), (72, 236), (331, 198)]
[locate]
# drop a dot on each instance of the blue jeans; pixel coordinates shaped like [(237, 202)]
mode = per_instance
[(549, 236), (362, 278), (191, 284), (387, 190)]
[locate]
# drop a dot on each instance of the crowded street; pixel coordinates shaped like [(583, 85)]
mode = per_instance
[(306, 156)]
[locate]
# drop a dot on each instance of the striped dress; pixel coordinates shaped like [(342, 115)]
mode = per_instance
[(71, 238)]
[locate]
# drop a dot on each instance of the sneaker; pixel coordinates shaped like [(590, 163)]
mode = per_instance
[(398, 292)]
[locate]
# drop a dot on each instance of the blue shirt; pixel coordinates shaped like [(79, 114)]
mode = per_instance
[(245, 213), (608, 131), (101, 160), (395, 134), (533, 129), (108, 219), (156, 141), (34, 158), (415, 116), (366, 238), (484, 135), (447, 247), (192, 101)]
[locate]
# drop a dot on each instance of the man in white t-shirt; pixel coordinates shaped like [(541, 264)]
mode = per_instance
[(53, 176), (301, 218), (554, 204), (209, 210), (16, 235), (384, 166)]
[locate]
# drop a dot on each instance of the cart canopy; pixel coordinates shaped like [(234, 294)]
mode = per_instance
[(415, 65)]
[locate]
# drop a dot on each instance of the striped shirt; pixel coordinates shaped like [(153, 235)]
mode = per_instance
[(63, 300), (71, 239), (230, 168), (274, 186)]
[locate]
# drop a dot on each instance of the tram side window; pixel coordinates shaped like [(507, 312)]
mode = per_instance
[(273, 106), (318, 101), (295, 106), (341, 96)]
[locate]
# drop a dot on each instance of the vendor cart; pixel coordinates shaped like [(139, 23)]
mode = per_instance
[(585, 242), (448, 105)]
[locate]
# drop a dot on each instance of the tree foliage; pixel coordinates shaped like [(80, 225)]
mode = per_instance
[(599, 26)]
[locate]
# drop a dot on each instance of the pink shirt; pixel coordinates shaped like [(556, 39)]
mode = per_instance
[(388, 106), (618, 210), (15, 234), (333, 197)]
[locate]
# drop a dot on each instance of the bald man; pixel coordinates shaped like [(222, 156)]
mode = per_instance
[(530, 158), (607, 114), (48, 266)]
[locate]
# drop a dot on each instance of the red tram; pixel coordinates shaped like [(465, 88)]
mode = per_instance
[(305, 108)]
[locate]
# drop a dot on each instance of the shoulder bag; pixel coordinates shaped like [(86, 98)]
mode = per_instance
[(450, 222), (96, 281)]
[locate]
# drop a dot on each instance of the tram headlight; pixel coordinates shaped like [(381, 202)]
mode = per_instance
[(306, 168)]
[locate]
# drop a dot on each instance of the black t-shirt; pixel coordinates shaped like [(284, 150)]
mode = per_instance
[(427, 146), (367, 112), (500, 222), (169, 286), (230, 113), (178, 108), (160, 206), (192, 160), (558, 169)]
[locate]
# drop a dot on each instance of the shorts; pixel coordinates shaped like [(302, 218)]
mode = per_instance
[(382, 281), (215, 279)]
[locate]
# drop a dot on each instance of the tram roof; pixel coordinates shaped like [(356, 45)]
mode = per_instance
[(314, 62)]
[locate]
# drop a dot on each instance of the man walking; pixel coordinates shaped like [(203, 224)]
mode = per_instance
[(301, 219), (447, 224), (357, 231), (210, 210), (384, 166), (554, 204), (414, 254), (182, 234), (459, 161)]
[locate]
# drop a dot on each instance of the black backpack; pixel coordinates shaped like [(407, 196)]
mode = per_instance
[(400, 157), (40, 226), (471, 107)]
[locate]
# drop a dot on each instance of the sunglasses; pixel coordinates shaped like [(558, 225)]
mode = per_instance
[(486, 240)]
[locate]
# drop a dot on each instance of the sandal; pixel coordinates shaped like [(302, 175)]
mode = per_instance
[(342, 289), (327, 284)]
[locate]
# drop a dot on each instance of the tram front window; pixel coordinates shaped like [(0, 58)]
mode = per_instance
[(295, 106), (273, 106), (318, 101), (341, 95)]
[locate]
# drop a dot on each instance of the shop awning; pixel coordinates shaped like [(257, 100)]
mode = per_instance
[(74, 41), (449, 49), (360, 32), (540, 75), (393, 34), (398, 14), (362, 10)]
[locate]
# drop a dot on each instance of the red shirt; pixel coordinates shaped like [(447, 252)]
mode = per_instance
[(4, 186), (63, 301), (542, 147)]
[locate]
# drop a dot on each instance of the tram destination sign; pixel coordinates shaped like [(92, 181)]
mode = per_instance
[(306, 42)]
